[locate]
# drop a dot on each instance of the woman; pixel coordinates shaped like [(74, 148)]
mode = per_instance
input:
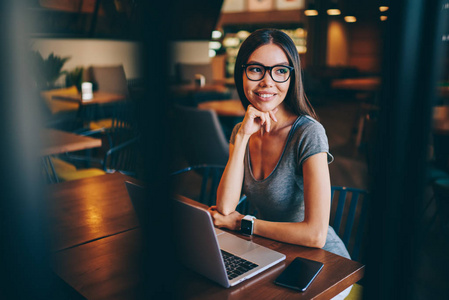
[(279, 154)]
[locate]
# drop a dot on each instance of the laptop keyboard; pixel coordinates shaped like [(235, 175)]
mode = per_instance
[(235, 265)]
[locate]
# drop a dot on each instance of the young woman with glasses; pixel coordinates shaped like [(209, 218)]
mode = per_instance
[(279, 154)]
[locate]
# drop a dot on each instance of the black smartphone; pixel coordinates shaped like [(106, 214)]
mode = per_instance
[(299, 274)]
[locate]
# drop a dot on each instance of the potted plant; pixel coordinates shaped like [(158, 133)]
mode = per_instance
[(47, 70)]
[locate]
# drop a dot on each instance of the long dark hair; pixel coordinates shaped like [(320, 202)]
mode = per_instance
[(295, 99)]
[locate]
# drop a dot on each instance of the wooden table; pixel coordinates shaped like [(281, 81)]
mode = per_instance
[(97, 250), (57, 141), (441, 119), (364, 84), (225, 108), (98, 98), (91, 109)]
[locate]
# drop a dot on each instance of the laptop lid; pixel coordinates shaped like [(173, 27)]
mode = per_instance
[(199, 244)]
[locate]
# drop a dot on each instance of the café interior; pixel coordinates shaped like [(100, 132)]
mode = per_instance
[(97, 93)]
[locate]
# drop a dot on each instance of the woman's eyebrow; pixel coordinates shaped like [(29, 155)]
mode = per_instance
[(253, 62)]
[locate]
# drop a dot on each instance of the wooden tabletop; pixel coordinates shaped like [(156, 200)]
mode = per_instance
[(98, 98), (367, 84), (441, 119), (227, 108), (57, 141), (87, 209), (97, 250)]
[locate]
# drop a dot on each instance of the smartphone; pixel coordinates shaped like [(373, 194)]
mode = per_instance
[(299, 274)]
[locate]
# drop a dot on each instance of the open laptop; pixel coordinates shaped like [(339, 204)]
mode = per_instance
[(214, 253)]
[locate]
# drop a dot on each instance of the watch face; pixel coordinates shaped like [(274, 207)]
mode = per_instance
[(246, 227)]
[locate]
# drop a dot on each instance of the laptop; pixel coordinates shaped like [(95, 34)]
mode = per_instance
[(218, 255)]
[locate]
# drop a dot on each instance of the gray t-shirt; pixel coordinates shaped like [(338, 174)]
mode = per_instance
[(280, 196)]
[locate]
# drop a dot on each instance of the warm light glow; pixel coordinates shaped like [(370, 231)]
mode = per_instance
[(383, 18), (333, 12), (214, 45), (311, 12), (301, 49), (231, 41), (243, 34), (350, 19), (383, 8), (216, 34)]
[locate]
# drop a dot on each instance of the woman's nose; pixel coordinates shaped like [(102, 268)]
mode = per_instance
[(266, 79)]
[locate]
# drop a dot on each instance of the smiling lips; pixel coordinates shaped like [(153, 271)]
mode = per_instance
[(265, 95)]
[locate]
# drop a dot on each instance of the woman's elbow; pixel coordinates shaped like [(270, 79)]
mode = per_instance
[(317, 240), (224, 210)]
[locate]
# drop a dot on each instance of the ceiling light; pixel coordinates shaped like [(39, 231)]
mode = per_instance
[(383, 8), (350, 19), (311, 9), (311, 12), (383, 18), (333, 12), (333, 9)]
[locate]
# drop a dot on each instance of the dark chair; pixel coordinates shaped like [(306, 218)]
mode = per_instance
[(186, 72), (111, 79), (348, 216), (441, 195), (200, 136), (206, 191), (120, 150)]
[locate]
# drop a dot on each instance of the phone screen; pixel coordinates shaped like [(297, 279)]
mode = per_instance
[(299, 274)]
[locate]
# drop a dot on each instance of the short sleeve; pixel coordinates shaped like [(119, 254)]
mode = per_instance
[(234, 132), (313, 140)]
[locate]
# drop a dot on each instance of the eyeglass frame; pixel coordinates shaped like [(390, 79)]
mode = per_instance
[(266, 68)]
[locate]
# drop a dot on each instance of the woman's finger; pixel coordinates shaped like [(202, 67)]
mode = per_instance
[(272, 114), (267, 122)]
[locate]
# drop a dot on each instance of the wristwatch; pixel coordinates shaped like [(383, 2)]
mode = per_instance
[(247, 225)]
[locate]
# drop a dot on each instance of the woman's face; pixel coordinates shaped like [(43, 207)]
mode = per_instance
[(266, 94)]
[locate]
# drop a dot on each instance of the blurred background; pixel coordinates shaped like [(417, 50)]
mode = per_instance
[(376, 72)]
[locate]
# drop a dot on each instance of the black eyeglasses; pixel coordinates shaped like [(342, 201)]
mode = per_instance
[(278, 73)]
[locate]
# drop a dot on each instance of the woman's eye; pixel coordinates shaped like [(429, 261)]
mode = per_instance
[(255, 69), (282, 71)]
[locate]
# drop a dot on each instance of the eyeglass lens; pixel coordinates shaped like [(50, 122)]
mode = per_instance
[(278, 73)]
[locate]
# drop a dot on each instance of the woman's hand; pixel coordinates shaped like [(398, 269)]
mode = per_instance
[(255, 120), (231, 221)]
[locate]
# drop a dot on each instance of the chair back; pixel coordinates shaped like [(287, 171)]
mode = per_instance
[(186, 72), (200, 135), (206, 191), (123, 137), (208, 175), (348, 216), (111, 79)]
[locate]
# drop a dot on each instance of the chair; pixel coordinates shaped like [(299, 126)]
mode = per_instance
[(348, 216), (349, 207), (124, 158), (441, 194), (210, 176), (111, 79), (122, 151), (186, 72), (200, 136), (61, 114)]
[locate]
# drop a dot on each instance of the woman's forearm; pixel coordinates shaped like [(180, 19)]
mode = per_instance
[(301, 233), (230, 187)]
